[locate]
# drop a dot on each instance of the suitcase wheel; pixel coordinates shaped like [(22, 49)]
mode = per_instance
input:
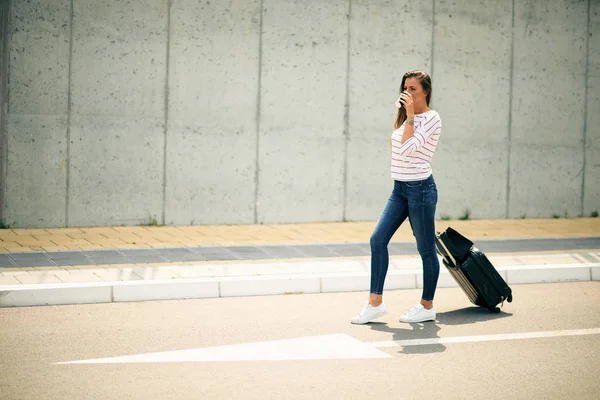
[(495, 309), (509, 298)]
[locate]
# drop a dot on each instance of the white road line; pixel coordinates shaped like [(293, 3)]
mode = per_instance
[(486, 338)]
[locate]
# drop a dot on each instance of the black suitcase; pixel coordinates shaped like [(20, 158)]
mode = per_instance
[(472, 270)]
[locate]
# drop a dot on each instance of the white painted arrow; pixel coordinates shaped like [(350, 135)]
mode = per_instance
[(337, 346), (326, 347)]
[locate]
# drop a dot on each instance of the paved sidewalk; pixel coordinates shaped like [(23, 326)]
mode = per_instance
[(136, 237), (149, 263)]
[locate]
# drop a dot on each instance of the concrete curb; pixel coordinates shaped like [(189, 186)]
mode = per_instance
[(238, 286)]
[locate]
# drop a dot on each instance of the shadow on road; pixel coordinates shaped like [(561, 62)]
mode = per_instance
[(468, 315), (425, 330), (430, 330)]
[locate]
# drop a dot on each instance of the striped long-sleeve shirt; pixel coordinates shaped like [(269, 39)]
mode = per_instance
[(411, 160)]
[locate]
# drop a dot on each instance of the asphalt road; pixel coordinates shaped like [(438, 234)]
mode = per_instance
[(33, 340)]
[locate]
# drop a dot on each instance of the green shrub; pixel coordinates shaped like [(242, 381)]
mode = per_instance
[(466, 215)]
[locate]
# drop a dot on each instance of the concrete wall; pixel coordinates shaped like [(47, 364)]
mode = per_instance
[(211, 142), (38, 113), (4, 9), (547, 131), (117, 131), (267, 111), (591, 171)]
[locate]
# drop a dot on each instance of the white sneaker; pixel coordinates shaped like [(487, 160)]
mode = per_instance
[(418, 314), (369, 313)]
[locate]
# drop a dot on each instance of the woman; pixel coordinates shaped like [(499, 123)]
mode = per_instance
[(414, 140)]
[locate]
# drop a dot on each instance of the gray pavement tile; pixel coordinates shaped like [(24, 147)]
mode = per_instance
[(34, 262), (246, 249), (6, 261), (584, 243), (315, 250), (147, 258), (110, 260), (213, 252), (173, 257), (348, 250), (402, 248), (254, 256), (249, 252), (366, 247), (175, 250), (547, 244), (209, 249), (513, 245), (60, 255), (139, 252), (282, 252), (218, 256), (74, 261), (103, 253), (517, 245), (180, 254), (7, 264), (29, 256)]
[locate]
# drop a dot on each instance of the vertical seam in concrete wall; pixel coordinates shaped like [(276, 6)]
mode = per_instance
[(257, 155), (4, 30), (166, 113), (346, 116), (510, 99), (585, 105), (432, 37), (70, 80)]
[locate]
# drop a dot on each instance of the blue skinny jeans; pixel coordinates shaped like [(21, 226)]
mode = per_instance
[(415, 200)]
